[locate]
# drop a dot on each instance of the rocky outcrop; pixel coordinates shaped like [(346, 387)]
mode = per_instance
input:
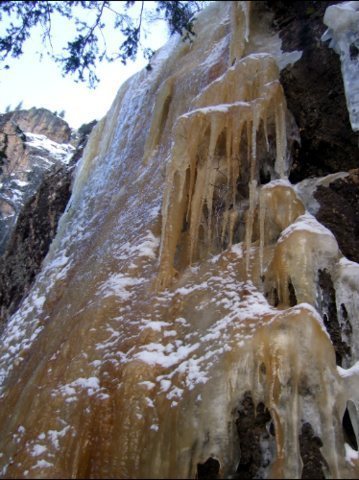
[(37, 162), (43, 122), (27, 158)]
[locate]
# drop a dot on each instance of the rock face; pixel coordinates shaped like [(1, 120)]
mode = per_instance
[(43, 122), (339, 211), (26, 157), (37, 162), (30, 237), (193, 317), (315, 93)]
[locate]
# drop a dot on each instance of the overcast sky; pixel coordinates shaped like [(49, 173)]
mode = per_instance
[(40, 83)]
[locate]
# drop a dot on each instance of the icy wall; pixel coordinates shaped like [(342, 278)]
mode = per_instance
[(179, 326)]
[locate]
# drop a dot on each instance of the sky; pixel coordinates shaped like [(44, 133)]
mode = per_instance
[(39, 83)]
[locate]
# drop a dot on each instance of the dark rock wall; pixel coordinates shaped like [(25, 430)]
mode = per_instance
[(256, 439), (257, 444), (314, 464), (315, 92), (328, 309), (339, 211), (31, 238)]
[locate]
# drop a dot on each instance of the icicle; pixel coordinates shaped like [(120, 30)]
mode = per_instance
[(196, 211), (240, 18), (233, 217), (238, 125), (281, 139), (192, 146), (246, 8), (262, 213), (265, 130), (250, 220), (255, 125), (215, 131)]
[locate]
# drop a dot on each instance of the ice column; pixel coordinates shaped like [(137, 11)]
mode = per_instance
[(342, 21)]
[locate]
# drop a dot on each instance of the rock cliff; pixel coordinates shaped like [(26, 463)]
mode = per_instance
[(196, 315), (38, 156)]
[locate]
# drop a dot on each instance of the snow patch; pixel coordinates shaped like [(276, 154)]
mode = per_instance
[(349, 372), (60, 151), (71, 390), (155, 354), (351, 455), (117, 284), (42, 464), (38, 450)]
